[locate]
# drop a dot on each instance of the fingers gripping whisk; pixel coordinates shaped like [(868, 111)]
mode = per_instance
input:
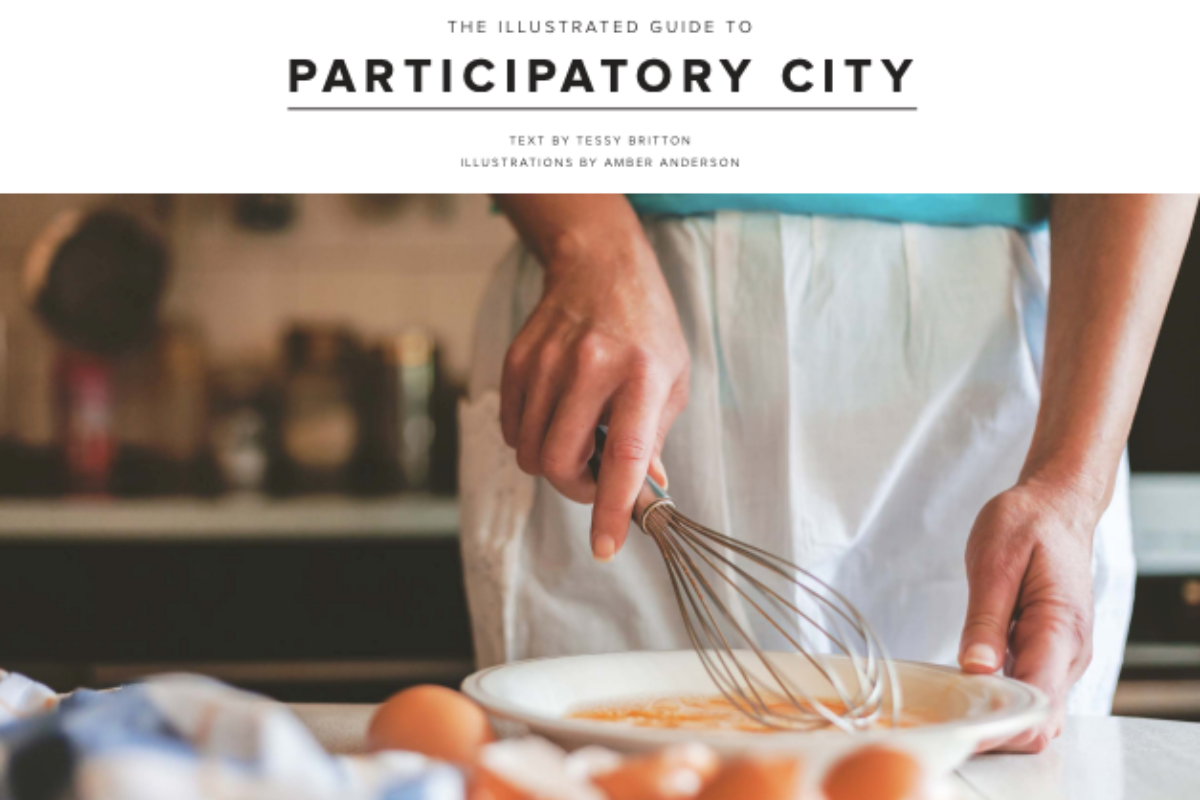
[(733, 596)]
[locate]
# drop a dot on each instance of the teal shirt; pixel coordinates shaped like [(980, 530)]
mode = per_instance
[(1009, 210)]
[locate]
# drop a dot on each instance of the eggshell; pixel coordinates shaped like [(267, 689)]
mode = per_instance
[(520, 769), (487, 785), (875, 773), (431, 720), (592, 760), (676, 773), (761, 778)]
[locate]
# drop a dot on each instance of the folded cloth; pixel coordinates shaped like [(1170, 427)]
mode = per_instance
[(184, 737)]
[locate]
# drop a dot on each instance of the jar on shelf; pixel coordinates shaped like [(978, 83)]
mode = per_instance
[(237, 432), (318, 426), (409, 408), (32, 463), (396, 405), (161, 415), (85, 416)]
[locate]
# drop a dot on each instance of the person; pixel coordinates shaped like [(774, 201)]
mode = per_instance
[(923, 399)]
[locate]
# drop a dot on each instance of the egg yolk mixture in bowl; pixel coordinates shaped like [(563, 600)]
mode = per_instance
[(709, 713)]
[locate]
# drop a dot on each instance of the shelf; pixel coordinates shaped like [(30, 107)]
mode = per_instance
[(1165, 655), (1166, 699), (1166, 519), (228, 518)]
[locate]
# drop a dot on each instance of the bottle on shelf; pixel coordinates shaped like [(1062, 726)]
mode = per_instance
[(317, 429)]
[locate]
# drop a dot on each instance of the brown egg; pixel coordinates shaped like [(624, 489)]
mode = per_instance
[(760, 778), (487, 785), (874, 773), (431, 720), (676, 773)]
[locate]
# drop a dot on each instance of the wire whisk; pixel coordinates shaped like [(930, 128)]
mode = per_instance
[(826, 668)]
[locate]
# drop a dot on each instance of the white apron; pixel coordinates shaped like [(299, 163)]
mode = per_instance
[(859, 390)]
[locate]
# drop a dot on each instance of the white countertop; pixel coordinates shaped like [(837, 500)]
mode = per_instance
[(1096, 758)]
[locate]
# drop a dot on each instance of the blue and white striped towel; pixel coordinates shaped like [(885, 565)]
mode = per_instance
[(184, 737)]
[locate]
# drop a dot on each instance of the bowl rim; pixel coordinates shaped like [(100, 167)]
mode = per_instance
[(1029, 707)]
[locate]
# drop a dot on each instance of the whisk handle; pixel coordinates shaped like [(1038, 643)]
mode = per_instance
[(650, 493)]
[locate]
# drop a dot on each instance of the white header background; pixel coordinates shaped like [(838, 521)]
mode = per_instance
[(1012, 96)]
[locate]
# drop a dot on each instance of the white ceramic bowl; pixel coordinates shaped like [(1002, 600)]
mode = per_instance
[(539, 695)]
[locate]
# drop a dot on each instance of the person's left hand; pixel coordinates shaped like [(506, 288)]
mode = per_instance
[(1029, 569)]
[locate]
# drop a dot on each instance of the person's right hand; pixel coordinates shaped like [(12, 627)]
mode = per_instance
[(603, 345)]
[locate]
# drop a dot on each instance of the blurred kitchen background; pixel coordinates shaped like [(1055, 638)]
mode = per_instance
[(228, 445), (249, 468)]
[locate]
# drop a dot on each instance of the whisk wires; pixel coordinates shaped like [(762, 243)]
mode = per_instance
[(759, 683)]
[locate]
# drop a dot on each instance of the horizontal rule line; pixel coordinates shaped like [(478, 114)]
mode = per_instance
[(602, 108)]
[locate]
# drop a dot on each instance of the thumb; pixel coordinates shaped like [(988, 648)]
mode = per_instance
[(993, 595)]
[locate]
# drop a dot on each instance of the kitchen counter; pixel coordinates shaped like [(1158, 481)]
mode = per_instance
[(1096, 758)]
